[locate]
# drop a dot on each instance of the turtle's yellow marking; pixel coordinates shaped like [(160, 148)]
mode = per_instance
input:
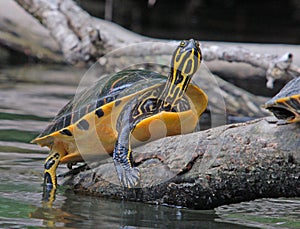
[(293, 103), (184, 65), (114, 84), (71, 157), (290, 104), (50, 165), (297, 97)]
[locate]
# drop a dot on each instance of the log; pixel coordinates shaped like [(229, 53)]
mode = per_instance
[(83, 39), (21, 32), (206, 169)]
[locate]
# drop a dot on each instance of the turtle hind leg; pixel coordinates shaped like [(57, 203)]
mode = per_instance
[(129, 176), (74, 171)]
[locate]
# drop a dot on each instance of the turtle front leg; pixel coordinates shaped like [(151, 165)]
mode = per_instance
[(50, 180), (129, 176)]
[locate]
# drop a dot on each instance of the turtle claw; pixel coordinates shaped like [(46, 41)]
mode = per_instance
[(128, 176)]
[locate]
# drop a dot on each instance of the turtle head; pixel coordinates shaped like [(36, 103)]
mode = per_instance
[(187, 58), (185, 62)]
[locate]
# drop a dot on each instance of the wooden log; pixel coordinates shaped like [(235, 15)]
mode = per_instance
[(20, 32), (206, 169)]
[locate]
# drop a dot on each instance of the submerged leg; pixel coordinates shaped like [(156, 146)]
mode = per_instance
[(50, 181)]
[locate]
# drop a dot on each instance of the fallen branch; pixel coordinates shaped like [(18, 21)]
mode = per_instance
[(276, 67), (83, 39)]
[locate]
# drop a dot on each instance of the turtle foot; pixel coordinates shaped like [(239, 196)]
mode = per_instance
[(48, 194), (128, 176), (49, 189)]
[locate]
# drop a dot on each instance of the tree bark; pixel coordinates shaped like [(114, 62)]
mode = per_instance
[(207, 169)]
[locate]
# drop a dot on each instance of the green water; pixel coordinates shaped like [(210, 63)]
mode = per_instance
[(26, 106)]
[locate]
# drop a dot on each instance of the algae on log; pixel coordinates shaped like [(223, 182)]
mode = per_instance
[(203, 170)]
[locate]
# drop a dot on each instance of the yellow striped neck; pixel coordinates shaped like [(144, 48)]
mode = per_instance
[(185, 62), (174, 89)]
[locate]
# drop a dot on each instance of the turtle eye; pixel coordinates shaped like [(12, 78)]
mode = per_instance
[(182, 43)]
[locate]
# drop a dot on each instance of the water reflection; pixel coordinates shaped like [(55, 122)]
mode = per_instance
[(90, 212)]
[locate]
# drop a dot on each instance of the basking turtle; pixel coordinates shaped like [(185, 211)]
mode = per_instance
[(286, 104), (119, 112)]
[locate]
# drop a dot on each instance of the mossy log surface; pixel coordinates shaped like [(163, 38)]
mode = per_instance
[(203, 170)]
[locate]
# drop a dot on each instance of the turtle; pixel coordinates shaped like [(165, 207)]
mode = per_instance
[(119, 112), (286, 104)]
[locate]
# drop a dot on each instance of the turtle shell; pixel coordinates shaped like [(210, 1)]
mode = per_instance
[(86, 126), (286, 104)]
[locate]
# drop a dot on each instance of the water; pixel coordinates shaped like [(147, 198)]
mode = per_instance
[(29, 97)]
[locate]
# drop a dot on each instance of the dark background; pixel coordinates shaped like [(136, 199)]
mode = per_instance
[(262, 21)]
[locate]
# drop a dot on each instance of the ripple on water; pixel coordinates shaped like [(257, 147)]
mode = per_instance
[(263, 213)]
